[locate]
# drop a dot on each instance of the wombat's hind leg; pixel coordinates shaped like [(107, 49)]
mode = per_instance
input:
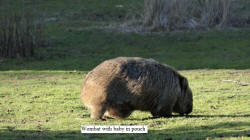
[(118, 113), (97, 112)]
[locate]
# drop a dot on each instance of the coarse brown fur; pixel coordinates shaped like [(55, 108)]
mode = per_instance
[(118, 86)]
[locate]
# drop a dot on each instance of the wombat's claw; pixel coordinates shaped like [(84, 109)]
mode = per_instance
[(107, 117), (100, 119)]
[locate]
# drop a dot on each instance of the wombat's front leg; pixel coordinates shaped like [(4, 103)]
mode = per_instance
[(164, 110), (165, 105)]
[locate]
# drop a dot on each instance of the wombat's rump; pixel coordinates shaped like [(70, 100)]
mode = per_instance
[(118, 86)]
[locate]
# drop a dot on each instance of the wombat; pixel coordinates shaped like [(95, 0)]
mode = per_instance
[(121, 85)]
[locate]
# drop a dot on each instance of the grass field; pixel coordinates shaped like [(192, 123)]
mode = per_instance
[(45, 104), (40, 96)]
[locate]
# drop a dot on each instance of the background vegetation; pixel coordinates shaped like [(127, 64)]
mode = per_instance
[(187, 14), (39, 96)]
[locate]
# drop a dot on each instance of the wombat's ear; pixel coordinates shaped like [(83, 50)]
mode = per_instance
[(183, 83)]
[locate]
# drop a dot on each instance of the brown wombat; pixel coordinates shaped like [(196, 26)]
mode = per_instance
[(118, 86)]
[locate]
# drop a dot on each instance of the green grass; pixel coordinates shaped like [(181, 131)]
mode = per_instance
[(40, 96)]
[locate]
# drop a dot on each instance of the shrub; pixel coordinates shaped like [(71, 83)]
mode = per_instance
[(214, 12), (191, 14), (19, 36)]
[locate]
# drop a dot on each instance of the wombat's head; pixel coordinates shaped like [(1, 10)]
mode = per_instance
[(184, 104)]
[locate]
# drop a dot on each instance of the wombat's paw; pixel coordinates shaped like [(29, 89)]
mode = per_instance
[(102, 119), (161, 114), (181, 114), (167, 116), (99, 119), (107, 117), (95, 118)]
